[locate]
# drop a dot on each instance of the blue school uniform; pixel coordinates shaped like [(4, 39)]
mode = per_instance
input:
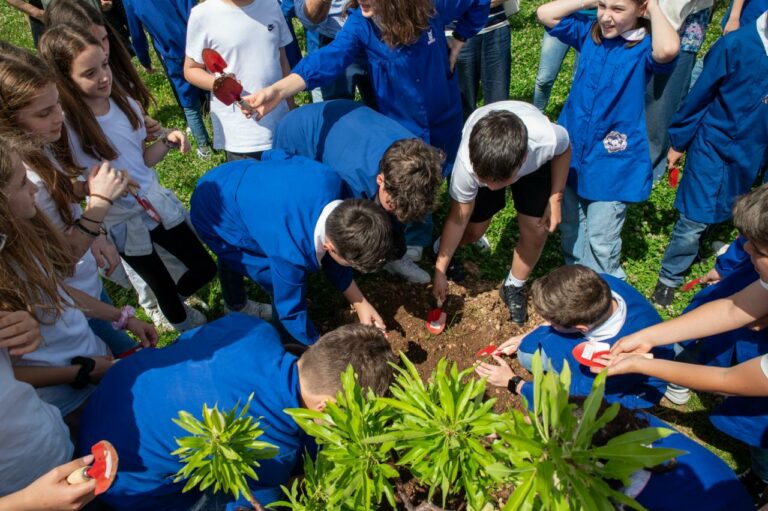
[(605, 114), (347, 136), (166, 22), (260, 218), (413, 84), (723, 125), (733, 258), (750, 11), (221, 364), (631, 390)]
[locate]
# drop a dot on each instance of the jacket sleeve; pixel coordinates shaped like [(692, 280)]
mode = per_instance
[(693, 109), (732, 258), (470, 15), (339, 276), (138, 37), (325, 64), (572, 30), (289, 289)]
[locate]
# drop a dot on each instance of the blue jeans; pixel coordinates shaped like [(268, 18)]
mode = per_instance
[(681, 251), (485, 59), (526, 360), (663, 95), (194, 117), (553, 53), (419, 234), (590, 233), (117, 340)]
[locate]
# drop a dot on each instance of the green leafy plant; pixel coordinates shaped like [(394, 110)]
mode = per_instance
[(351, 473), (222, 451), (313, 491), (554, 464), (439, 431)]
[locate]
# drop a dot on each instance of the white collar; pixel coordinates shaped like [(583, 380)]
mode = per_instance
[(320, 229), (636, 34), (762, 29), (609, 328)]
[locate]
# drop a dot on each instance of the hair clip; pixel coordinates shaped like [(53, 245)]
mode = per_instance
[(3, 239)]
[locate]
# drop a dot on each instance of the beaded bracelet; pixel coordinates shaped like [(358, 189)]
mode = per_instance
[(126, 313), (88, 219)]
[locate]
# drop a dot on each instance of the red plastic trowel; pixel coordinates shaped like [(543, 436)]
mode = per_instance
[(103, 470), (226, 88), (436, 320), (586, 352)]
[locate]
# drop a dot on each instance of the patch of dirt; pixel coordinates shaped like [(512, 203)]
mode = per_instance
[(476, 318)]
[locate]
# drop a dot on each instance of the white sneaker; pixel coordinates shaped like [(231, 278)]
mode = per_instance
[(483, 244), (255, 309), (195, 302), (414, 253), (194, 319), (720, 248), (204, 152), (158, 319), (408, 270), (677, 394)]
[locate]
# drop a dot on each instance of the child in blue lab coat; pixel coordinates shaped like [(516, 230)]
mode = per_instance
[(605, 118), (221, 364), (385, 163), (722, 126), (282, 218), (166, 23)]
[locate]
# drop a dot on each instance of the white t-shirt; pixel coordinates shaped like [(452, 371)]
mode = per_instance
[(35, 438), (545, 140), (249, 39), (764, 364), (86, 277)]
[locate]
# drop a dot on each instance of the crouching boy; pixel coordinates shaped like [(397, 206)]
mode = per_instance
[(220, 364), (580, 306), (281, 218)]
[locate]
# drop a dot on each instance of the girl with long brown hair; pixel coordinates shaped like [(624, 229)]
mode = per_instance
[(104, 123)]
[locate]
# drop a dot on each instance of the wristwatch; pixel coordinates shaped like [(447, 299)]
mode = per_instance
[(458, 37), (513, 383), (83, 378)]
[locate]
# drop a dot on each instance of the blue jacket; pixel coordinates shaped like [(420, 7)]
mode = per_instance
[(605, 114), (260, 217), (723, 125), (750, 11), (413, 84), (220, 363), (631, 390), (733, 258), (166, 22), (347, 136)]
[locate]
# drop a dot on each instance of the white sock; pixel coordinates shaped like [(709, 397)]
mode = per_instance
[(436, 245), (512, 281)]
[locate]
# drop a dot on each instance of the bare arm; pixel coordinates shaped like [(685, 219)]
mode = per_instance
[(453, 231), (551, 13), (197, 75), (365, 311), (27, 8), (664, 39), (52, 492), (264, 101), (286, 68), (317, 11), (733, 22), (559, 169)]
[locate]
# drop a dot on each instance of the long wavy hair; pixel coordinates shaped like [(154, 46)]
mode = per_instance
[(59, 47), (22, 78), (401, 21), (82, 15), (35, 259)]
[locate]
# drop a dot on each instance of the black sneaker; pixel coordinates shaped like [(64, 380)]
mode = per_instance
[(516, 300), (663, 295), (455, 271), (756, 487)]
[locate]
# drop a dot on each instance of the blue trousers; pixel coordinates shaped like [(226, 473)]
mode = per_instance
[(117, 340), (553, 54), (681, 251)]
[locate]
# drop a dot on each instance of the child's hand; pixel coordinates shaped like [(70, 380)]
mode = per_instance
[(178, 139), (107, 182), (497, 375), (52, 491), (105, 253), (731, 25), (439, 286), (153, 127), (619, 364), (552, 214), (262, 102), (510, 346), (711, 277), (633, 343), (369, 316), (103, 364), (673, 157), (145, 332), (19, 332), (454, 48)]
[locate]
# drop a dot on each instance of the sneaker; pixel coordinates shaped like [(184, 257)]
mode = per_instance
[(205, 152), (255, 309), (755, 486), (197, 303), (408, 270), (720, 248), (414, 253), (677, 394), (516, 300), (663, 295), (158, 319), (194, 319), (483, 244), (455, 271)]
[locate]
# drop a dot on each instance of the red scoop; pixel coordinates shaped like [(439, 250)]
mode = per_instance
[(436, 321), (674, 176), (487, 351), (690, 285), (103, 470), (586, 353), (227, 89), (213, 61)]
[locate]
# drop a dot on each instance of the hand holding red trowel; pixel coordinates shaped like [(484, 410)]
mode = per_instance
[(226, 88), (103, 469), (436, 319)]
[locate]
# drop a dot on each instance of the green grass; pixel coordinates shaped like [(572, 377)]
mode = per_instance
[(645, 234)]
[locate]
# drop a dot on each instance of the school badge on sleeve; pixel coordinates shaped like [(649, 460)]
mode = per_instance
[(615, 142)]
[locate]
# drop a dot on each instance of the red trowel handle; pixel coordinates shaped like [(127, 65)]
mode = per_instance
[(103, 470)]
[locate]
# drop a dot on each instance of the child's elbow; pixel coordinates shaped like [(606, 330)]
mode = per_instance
[(543, 17), (666, 52)]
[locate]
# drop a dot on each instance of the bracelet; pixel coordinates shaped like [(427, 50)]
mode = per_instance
[(167, 143), (83, 377), (88, 219), (126, 313), (102, 197), (85, 230)]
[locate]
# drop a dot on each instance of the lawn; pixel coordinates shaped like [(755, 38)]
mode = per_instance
[(645, 234)]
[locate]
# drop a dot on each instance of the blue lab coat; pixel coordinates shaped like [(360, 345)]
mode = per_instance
[(733, 258), (220, 364), (723, 125), (413, 84), (347, 136), (259, 217), (166, 22), (631, 390), (605, 114)]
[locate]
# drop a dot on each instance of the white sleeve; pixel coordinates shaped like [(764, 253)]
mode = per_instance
[(196, 37), (562, 140), (464, 185), (285, 34), (764, 364)]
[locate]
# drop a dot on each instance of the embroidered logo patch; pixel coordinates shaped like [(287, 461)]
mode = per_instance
[(430, 37), (615, 142), (270, 27)]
